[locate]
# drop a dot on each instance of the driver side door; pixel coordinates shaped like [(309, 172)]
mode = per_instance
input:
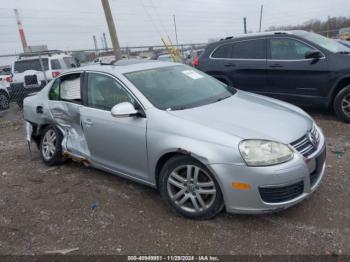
[(115, 144)]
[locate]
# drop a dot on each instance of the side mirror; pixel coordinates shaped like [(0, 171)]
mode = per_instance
[(313, 54), (124, 109)]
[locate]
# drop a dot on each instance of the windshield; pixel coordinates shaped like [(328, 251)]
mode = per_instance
[(32, 64), (327, 43), (179, 87)]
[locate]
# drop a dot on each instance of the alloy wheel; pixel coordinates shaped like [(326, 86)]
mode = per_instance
[(191, 188), (345, 104), (49, 144)]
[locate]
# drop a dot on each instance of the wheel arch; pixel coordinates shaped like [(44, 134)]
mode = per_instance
[(5, 93), (168, 155), (340, 84)]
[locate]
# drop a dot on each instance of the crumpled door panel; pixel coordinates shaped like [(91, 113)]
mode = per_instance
[(66, 116)]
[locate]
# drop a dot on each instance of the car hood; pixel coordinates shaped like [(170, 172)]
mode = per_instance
[(251, 116)]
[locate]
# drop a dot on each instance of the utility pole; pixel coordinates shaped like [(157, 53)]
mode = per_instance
[(245, 24), (177, 42), (95, 43), (105, 39), (112, 30), (21, 31), (261, 13), (328, 26)]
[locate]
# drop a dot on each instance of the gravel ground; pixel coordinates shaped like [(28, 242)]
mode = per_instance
[(71, 206)]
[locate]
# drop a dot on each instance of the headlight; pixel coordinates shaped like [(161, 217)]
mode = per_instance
[(264, 152)]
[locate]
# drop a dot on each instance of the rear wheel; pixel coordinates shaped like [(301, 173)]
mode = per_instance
[(342, 104), (190, 189), (50, 146), (4, 101)]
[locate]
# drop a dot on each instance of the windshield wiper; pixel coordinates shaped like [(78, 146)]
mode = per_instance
[(221, 98), (344, 52)]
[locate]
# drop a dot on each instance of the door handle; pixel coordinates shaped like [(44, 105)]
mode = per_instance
[(276, 65), (230, 65)]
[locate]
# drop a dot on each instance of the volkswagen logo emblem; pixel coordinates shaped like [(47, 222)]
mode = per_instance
[(312, 138)]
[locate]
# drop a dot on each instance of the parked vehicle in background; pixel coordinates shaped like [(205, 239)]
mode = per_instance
[(166, 58), (4, 97), (344, 34), (192, 58), (297, 66), (32, 71), (5, 76), (105, 59), (345, 43), (203, 144)]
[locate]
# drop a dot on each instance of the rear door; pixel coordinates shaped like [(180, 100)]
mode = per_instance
[(244, 63), (292, 77)]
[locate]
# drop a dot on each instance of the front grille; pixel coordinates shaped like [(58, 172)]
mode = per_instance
[(31, 80), (281, 194), (307, 144)]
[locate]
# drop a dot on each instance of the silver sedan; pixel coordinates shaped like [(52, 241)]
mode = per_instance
[(205, 145)]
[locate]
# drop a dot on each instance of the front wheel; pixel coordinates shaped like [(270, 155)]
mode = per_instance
[(50, 146), (190, 189), (342, 104)]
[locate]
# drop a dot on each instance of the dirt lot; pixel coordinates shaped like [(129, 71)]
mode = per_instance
[(72, 206)]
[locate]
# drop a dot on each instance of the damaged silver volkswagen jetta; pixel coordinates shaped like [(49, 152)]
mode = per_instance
[(203, 144)]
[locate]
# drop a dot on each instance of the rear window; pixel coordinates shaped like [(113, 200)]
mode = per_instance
[(222, 51), (32, 64), (69, 61), (253, 49)]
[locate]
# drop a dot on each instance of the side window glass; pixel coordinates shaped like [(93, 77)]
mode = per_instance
[(104, 92), (55, 64), (54, 93), (288, 49), (251, 49), (222, 51)]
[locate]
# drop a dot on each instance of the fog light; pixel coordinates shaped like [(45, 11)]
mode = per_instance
[(241, 186)]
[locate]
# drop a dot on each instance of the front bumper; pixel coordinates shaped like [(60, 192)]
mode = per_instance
[(299, 173)]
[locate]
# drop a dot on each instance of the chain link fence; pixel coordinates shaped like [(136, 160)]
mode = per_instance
[(27, 73)]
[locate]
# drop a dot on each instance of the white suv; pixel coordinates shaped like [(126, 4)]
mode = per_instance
[(31, 75)]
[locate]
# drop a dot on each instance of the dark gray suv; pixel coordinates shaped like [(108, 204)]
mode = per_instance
[(297, 66)]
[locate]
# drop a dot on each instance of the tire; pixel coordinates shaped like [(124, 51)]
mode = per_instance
[(181, 198), (4, 101), (341, 104), (51, 152)]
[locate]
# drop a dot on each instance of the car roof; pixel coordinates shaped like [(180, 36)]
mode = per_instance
[(53, 56), (125, 66), (260, 34)]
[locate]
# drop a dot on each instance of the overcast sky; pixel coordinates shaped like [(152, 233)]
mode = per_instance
[(70, 24)]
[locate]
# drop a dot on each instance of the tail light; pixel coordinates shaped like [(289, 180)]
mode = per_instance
[(8, 79), (195, 62), (55, 74)]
